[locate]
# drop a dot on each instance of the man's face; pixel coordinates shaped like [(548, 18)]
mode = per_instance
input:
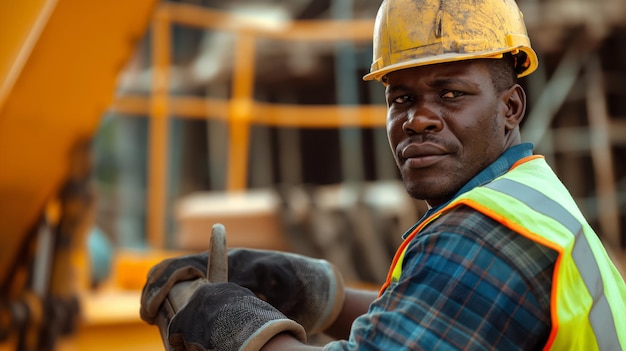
[(445, 123)]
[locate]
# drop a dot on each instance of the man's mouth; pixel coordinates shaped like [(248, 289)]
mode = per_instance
[(422, 155)]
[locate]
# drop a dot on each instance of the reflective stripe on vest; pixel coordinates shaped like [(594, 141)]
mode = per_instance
[(588, 302)]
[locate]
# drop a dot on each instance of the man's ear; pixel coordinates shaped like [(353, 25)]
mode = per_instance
[(515, 101)]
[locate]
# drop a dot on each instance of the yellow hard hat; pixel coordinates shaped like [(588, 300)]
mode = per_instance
[(411, 33)]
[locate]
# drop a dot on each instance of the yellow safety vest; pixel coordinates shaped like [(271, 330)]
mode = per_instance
[(588, 298)]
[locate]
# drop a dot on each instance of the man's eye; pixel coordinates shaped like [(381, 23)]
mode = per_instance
[(401, 99), (451, 94)]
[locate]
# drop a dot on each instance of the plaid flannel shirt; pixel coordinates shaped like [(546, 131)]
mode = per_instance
[(467, 283)]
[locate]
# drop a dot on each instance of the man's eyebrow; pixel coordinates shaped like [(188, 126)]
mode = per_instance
[(441, 82), (436, 83), (395, 88)]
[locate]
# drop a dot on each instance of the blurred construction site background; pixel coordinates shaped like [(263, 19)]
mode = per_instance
[(128, 128)]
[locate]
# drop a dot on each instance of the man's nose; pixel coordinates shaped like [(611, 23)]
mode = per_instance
[(422, 119)]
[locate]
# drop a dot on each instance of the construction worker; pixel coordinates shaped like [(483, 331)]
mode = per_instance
[(503, 259)]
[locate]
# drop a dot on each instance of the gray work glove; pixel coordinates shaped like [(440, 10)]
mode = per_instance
[(309, 291), (225, 317)]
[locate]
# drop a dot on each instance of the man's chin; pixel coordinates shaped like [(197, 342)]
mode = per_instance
[(425, 192)]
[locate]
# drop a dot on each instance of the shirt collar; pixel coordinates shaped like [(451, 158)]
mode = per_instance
[(500, 166)]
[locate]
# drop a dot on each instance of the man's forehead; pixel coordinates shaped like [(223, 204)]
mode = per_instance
[(446, 70)]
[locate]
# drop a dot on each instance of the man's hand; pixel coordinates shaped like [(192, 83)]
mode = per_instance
[(226, 316), (309, 291)]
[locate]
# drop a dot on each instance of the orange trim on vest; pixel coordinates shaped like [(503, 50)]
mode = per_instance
[(394, 262), (526, 159)]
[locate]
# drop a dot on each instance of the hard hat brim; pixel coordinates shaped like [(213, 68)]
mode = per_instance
[(452, 57)]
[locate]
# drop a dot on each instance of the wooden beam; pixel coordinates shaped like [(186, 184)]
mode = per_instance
[(602, 155), (270, 114), (301, 30)]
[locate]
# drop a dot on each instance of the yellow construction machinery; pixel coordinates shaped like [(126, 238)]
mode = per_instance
[(59, 61)]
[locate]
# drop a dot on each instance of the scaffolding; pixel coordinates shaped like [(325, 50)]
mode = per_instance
[(575, 116)]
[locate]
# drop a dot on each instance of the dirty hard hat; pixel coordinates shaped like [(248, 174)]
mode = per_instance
[(411, 33)]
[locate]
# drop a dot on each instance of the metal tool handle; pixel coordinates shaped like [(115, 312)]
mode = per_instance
[(217, 267), (179, 295)]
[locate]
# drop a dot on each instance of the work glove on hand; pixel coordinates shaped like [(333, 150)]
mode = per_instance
[(226, 316), (309, 291)]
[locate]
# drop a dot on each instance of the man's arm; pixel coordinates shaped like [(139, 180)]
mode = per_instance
[(356, 303), (286, 341)]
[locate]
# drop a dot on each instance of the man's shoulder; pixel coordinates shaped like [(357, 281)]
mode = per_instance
[(485, 233), (467, 238)]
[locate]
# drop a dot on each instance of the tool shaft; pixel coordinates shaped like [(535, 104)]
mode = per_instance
[(179, 295)]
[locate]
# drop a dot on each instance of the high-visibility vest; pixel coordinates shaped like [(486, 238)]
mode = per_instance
[(588, 296)]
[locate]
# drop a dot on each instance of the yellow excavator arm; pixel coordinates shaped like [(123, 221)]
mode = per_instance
[(59, 62)]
